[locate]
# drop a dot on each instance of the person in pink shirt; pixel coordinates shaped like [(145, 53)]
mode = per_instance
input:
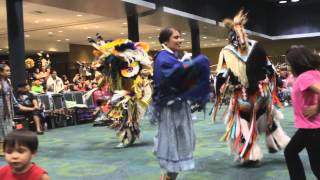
[(306, 106)]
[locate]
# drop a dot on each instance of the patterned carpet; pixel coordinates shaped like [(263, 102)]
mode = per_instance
[(84, 152)]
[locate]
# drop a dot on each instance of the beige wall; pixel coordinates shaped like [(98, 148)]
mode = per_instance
[(79, 53), (273, 48)]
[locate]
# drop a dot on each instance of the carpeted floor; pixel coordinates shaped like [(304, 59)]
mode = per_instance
[(87, 153)]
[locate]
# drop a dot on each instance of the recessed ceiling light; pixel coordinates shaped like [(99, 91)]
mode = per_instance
[(27, 35), (188, 42), (60, 31), (204, 37), (295, 0), (85, 28), (48, 20), (36, 21), (124, 23), (122, 33), (89, 37), (97, 27), (58, 40), (79, 15), (158, 29), (52, 49), (183, 33), (67, 39), (0, 49), (282, 2), (50, 32)]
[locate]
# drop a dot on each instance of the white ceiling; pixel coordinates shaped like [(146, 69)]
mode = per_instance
[(51, 28)]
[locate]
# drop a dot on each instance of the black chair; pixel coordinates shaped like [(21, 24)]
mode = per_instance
[(44, 102), (78, 97), (89, 102), (68, 96), (58, 101)]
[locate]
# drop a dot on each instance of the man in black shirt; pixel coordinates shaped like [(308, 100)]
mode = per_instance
[(26, 98)]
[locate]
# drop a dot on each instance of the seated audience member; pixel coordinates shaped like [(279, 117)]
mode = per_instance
[(20, 146), (37, 87), (54, 83), (65, 79), (76, 79), (27, 99)]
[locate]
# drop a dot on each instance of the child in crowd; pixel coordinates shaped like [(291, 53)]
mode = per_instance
[(20, 147), (306, 105)]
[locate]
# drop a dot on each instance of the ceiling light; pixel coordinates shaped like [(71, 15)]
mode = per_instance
[(282, 2), (124, 23), (27, 35), (188, 42), (153, 42), (36, 21), (295, 0), (60, 31), (158, 29), (97, 27), (85, 28), (89, 37), (183, 33), (204, 37), (52, 49), (48, 20), (58, 40), (122, 33), (0, 49), (50, 32), (79, 15), (67, 39), (150, 37)]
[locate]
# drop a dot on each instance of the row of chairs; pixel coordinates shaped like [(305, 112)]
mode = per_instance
[(57, 114)]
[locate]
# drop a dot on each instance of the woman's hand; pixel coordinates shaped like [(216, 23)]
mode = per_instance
[(310, 111)]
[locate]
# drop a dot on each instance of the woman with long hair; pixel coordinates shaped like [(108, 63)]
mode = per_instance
[(7, 102), (306, 106)]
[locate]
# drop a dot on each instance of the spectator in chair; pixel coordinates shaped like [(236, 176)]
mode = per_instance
[(26, 98), (54, 83), (37, 88)]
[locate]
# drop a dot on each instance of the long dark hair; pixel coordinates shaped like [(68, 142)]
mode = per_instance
[(166, 33), (302, 59)]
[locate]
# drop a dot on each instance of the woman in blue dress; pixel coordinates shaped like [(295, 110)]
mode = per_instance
[(179, 85)]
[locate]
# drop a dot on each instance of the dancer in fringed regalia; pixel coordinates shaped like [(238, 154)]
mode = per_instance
[(245, 72), (179, 84), (127, 68)]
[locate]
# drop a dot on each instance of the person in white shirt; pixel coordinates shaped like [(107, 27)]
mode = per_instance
[(54, 83)]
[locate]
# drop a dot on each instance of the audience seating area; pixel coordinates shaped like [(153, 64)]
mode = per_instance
[(56, 113)]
